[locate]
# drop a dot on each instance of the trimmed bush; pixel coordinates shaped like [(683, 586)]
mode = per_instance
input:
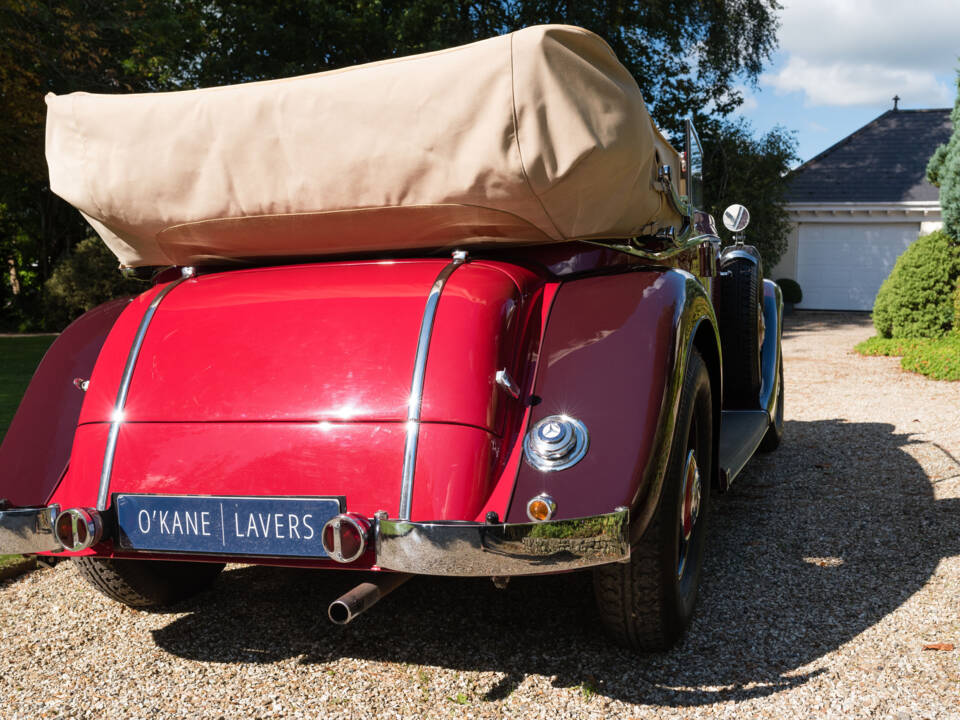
[(917, 299), (791, 290)]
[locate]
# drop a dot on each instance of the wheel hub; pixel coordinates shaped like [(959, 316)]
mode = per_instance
[(689, 507)]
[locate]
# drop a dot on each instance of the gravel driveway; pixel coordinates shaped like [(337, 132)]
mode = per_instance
[(833, 562)]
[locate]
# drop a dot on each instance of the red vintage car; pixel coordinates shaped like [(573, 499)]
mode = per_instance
[(455, 314)]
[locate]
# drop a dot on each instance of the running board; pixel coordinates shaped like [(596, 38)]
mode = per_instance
[(741, 432)]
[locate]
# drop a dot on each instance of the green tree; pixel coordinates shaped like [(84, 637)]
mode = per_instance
[(943, 170), (61, 46), (85, 278), (740, 167), (687, 57)]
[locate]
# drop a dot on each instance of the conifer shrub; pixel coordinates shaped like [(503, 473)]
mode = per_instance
[(917, 299), (956, 309)]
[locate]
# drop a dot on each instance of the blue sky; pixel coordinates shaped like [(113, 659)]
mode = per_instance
[(840, 62)]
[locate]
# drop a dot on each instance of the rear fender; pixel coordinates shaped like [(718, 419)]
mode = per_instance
[(770, 352), (614, 356), (36, 447)]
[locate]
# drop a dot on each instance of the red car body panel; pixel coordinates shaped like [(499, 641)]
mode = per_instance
[(36, 447), (608, 353), (295, 381), (308, 343)]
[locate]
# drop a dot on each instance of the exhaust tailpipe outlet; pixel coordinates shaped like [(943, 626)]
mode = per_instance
[(78, 528), (364, 596)]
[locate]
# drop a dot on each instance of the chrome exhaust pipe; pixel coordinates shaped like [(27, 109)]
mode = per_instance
[(364, 596)]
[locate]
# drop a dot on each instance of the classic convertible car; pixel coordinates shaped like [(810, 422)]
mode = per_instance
[(451, 314)]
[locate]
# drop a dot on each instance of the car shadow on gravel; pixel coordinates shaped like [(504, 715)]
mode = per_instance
[(816, 542)]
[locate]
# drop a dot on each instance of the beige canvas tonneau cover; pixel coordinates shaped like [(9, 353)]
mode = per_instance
[(537, 136)]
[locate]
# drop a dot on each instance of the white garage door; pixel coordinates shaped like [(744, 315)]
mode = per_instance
[(840, 265)]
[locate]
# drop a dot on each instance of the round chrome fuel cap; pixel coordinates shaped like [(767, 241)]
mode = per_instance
[(556, 442)]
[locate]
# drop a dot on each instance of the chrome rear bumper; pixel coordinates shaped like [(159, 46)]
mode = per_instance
[(476, 550), (28, 530)]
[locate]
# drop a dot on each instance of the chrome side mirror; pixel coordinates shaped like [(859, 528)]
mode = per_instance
[(736, 218)]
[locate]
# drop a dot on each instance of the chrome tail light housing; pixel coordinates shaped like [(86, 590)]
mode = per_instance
[(78, 528), (345, 537)]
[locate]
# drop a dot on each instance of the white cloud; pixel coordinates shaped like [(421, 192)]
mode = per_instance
[(749, 100), (847, 83), (862, 52)]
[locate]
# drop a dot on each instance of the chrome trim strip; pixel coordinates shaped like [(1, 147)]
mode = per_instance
[(117, 419), (730, 252), (468, 549), (28, 530), (416, 386)]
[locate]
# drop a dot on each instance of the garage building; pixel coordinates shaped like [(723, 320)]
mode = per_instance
[(858, 205)]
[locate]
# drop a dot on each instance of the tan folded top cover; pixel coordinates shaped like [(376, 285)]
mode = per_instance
[(536, 136)]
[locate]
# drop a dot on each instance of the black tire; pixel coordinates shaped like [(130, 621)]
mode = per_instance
[(771, 441), (147, 583), (647, 604), (741, 317)]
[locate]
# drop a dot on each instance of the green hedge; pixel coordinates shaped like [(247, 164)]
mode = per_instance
[(917, 299), (938, 359), (956, 309)]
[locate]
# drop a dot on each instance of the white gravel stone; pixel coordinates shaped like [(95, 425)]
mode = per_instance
[(831, 563)]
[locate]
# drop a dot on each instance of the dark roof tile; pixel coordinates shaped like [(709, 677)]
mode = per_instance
[(884, 161)]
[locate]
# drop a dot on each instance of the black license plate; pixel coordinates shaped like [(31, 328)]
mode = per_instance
[(271, 526)]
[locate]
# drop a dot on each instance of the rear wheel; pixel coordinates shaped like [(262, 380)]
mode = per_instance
[(147, 583), (647, 604), (741, 319)]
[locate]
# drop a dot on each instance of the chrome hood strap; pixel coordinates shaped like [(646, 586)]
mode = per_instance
[(416, 387), (116, 419)]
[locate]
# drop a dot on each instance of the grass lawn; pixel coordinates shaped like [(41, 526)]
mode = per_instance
[(19, 357), (938, 358)]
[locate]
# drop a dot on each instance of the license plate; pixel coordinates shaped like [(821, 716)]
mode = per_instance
[(286, 527)]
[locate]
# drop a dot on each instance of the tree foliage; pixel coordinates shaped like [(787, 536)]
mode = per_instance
[(60, 47), (742, 168), (85, 278), (687, 57), (943, 170)]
